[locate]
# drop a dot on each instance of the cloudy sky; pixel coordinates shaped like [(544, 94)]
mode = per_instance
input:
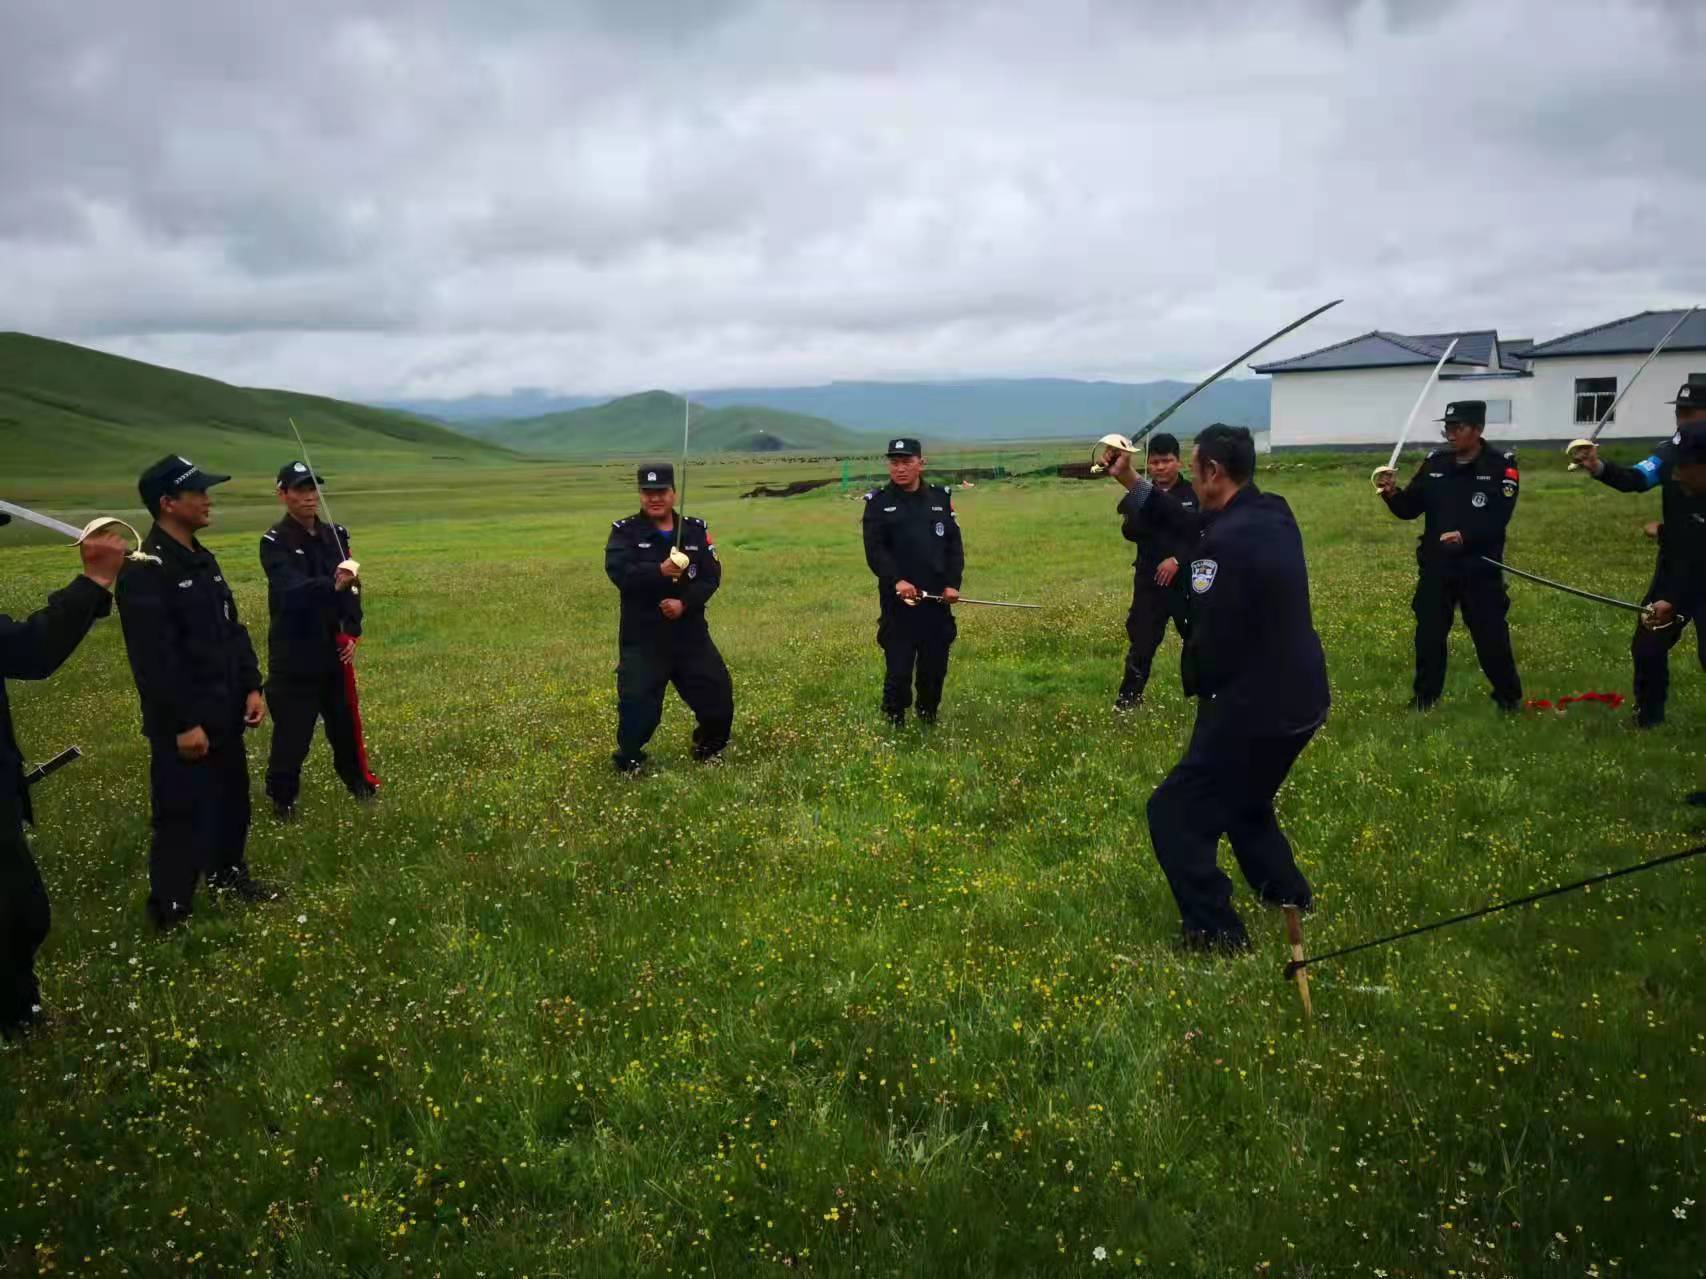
[(378, 198)]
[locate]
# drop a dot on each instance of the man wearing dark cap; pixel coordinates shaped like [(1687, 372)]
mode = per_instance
[(912, 544), (33, 649), (1678, 591), (663, 637), (200, 687), (1165, 526), (1466, 493), (1254, 663), (314, 603)]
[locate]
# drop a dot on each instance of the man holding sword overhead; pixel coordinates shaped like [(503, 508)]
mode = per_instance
[(912, 544), (314, 601), (33, 649), (1466, 494), (1678, 591)]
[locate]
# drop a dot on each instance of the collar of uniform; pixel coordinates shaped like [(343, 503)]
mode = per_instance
[(290, 529), (913, 496), (1245, 495), (170, 550)]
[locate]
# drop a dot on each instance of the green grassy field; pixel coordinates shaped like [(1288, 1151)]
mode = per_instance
[(854, 1002)]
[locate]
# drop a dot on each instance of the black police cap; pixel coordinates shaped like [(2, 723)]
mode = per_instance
[(905, 446), (171, 475), (295, 474), (657, 476), (1470, 412), (1692, 393)]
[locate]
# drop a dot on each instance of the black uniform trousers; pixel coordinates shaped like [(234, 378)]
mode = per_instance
[(295, 703), (689, 660), (915, 642), (1225, 785), (24, 919), (201, 821), (1651, 651), (1152, 607), (1485, 603)]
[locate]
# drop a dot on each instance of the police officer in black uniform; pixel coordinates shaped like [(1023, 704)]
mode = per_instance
[(664, 638), (1254, 663), (912, 544), (200, 687), (33, 649), (1165, 527), (1678, 591), (315, 610), (1467, 493)]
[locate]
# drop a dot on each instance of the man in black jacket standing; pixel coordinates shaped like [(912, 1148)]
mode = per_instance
[(1254, 663), (314, 604), (1467, 493), (912, 544), (664, 638), (200, 687), (1679, 577), (1165, 528), (33, 649)]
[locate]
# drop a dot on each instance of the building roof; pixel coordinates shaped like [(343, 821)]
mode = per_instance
[(1632, 335), (1378, 349)]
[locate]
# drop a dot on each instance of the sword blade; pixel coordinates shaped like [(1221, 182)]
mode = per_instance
[(53, 765), (1410, 421), (315, 476), (46, 521), (940, 599), (1636, 376), (1226, 368), (1569, 590)]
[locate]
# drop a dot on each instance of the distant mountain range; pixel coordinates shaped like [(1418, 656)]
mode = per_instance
[(651, 422), (68, 409), (985, 409)]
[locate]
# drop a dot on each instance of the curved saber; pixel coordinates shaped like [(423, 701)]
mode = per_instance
[(1226, 368), (1634, 378), (943, 599), (1642, 609), (78, 534), (677, 556), (1391, 467), (325, 506)]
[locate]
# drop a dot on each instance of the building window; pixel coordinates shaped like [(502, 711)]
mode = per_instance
[(1594, 397), (1498, 412)]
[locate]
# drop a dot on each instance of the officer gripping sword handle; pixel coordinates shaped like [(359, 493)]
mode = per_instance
[(100, 524), (1577, 449)]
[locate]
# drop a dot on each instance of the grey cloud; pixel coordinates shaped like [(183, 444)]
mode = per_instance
[(390, 198)]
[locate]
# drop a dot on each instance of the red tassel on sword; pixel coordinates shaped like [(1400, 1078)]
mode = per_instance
[(346, 654)]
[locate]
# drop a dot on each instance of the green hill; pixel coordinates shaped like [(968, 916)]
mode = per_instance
[(651, 423), (67, 410)]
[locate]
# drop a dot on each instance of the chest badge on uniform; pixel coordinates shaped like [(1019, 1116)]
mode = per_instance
[(941, 529), (1478, 501), (1202, 575), (693, 570)]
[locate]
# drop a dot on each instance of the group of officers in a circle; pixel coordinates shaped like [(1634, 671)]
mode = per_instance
[(1217, 559)]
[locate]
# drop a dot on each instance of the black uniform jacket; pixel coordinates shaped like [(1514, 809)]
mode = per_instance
[(913, 537), (190, 653), (631, 558), (305, 608), (1252, 656), (34, 649), (1475, 500), (1681, 573), (1166, 525)]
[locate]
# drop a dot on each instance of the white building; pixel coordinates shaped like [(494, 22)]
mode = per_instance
[(1359, 391)]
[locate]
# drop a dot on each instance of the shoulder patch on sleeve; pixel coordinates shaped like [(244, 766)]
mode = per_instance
[(269, 537), (870, 495)]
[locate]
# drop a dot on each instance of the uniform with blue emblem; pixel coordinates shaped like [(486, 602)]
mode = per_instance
[(1165, 526), (1465, 495), (912, 544), (314, 607), (35, 648), (1678, 591), (664, 638), (1254, 663), (200, 688)]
